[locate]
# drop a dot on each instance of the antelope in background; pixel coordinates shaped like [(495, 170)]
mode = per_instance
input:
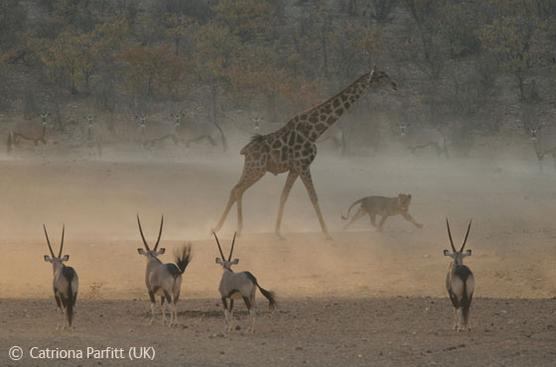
[(155, 133), (460, 282), (236, 285), (29, 131), (198, 128), (92, 138), (65, 283), (164, 279), (543, 138), (419, 137)]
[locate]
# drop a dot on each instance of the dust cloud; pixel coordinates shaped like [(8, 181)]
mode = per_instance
[(511, 203)]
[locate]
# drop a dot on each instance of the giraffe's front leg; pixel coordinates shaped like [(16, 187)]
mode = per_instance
[(292, 176), (308, 181)]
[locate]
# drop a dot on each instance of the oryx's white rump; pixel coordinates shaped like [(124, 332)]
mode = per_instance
[(164, 280)]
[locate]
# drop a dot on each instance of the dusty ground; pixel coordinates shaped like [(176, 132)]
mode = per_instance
[(364, 298)]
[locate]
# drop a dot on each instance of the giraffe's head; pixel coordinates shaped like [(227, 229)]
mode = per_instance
[(380, 78)]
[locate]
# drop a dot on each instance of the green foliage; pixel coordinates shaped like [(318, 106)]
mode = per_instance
[(249, 19), (272, 54), (509, 39), (150, 70), (12, 23)]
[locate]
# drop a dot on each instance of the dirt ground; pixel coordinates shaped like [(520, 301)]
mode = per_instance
[(364, 298)]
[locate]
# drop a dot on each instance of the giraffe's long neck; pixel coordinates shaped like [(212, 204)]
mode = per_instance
[(321, 117)]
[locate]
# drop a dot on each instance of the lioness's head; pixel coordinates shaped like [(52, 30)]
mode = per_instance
[(403, 201)]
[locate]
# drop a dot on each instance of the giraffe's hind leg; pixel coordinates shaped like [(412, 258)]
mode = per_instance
[(308, 181), (292, 176)]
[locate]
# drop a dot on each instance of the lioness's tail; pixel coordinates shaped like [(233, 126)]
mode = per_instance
[(345, 217)]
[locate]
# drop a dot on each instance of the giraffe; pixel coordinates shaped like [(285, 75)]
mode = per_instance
[(292, 148)]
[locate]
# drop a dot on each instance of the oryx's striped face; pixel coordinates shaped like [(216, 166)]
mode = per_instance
[(151, 253), (457, 256), (403, 128), (227, 264), (56, 260), (177, 119), (533, 131)]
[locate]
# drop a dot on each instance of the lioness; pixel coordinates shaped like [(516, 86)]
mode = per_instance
[(383, 206)]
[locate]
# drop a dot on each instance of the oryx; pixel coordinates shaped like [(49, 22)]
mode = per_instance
[(239, 285), (92, 138), (29, 131), (419, 137), (460, 282), (164, 279), (543, 138), (65, 283)]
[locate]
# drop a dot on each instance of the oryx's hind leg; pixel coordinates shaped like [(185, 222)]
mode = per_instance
[(153, 306), (251, 310), (231, 315), (166, 297), (361, 212), (226, 316), (456, 319), (60, 309)]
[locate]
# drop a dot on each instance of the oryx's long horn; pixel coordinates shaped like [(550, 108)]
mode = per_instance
[(159, 233), (232, 249), (466, 235), (62, 240), (142, 235), (219, 247), (48, 240), (450, 235)]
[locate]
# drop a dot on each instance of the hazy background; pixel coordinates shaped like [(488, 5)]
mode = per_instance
[(477, 72)]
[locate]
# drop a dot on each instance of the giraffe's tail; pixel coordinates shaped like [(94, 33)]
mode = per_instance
[(255, 139)]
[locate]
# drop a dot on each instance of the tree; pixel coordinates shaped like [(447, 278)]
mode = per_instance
[(509, 38), (150, 70)]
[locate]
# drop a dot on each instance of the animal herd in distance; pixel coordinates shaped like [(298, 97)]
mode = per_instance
[(292, 149)]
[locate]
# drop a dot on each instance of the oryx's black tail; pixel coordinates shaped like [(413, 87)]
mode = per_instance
[(183, 258), (269, 295)]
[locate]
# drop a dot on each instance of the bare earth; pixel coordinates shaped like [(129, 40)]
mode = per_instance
[(365, 298)]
